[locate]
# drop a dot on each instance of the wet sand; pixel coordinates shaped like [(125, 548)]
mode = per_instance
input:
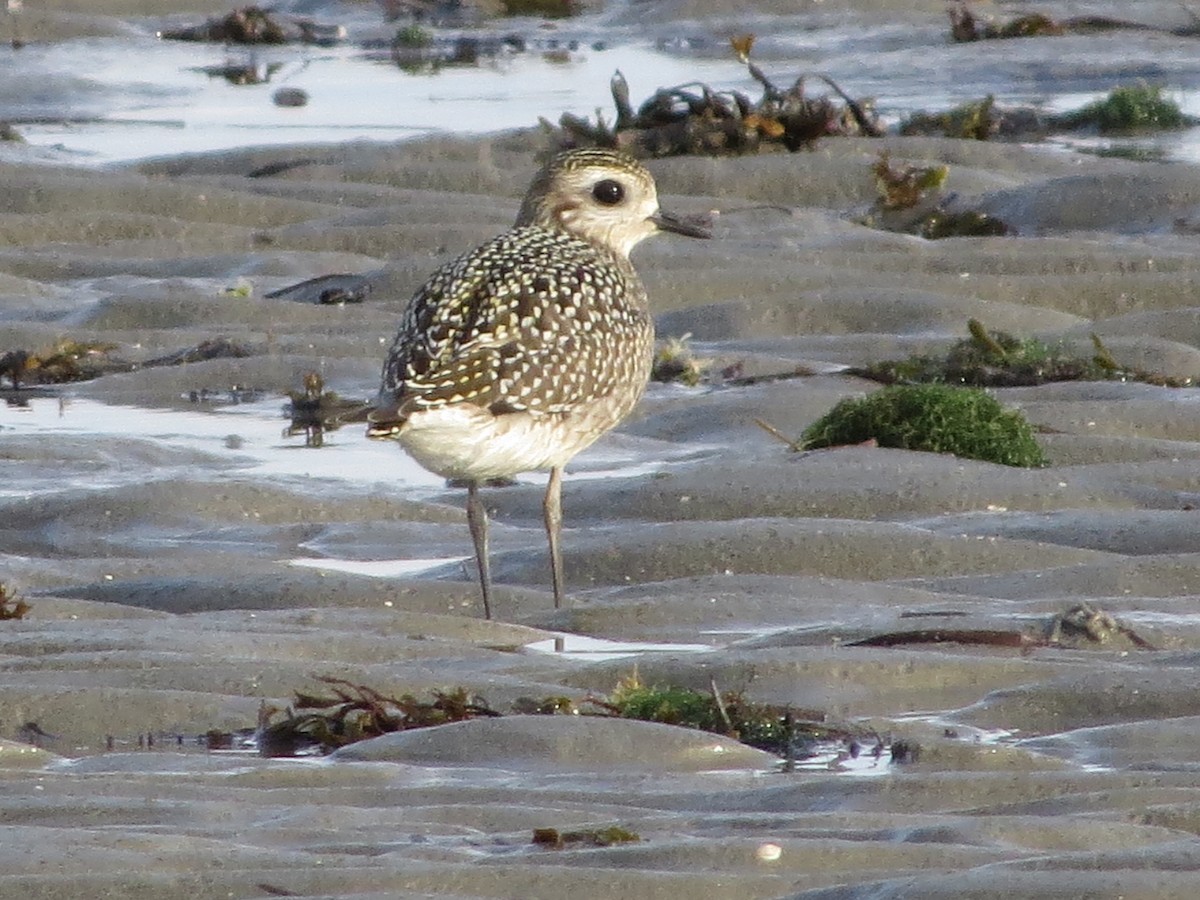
[(156, 539)]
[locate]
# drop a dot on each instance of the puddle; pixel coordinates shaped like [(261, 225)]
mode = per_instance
[(589, 649), (963, 732), (81, 101), (248, 438), (381, 568), (168, 104)]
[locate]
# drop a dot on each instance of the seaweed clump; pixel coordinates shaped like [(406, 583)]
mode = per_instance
[(912, 200), (255, 25), (675, 361), (989, 358), (356, 712), (1084, 624), (1131, 107), (965, 26), (974, 120), (695, 119), (66, 360), (584, 837), (938, 418), (71, 360), (906, 186), (979, 120), (1128, 109), (780, 730), (11, 606)]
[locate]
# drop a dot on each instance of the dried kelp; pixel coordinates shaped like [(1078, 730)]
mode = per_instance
[(12, 607), (1077, 627), (356, 712), (217, 348), (71, 360), (67, 360), (695, 119), (255, 25), (988, 637), (904, 187), (911, 200), (966, 26), (586, 837), (1084, 624), (326, 290), (735, 375)]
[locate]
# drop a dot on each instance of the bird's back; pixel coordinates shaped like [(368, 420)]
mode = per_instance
[(533, 321)]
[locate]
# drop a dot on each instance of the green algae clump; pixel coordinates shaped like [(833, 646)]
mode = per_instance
[(973, 120), (937, 418), (775, 729), (1136, 107)]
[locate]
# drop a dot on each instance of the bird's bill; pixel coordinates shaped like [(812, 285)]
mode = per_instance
[(697, 226)]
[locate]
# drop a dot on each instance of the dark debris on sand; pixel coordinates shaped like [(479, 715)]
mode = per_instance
[(966, 26), (256, 25), (1077, 627), (994, 359), (12, 607), (355, 712), (70, 360), (314, 410), (695, 119)]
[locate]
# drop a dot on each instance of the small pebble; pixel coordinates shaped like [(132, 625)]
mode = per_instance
[(768, 852), (290, 97)]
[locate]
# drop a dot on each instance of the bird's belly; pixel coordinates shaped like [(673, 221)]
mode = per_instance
[(464, 441)]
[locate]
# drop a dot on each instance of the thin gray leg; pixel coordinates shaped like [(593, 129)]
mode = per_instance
[(553, 515), (477, 519)]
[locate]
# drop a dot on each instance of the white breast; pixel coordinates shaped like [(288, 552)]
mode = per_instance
[(464, 441)]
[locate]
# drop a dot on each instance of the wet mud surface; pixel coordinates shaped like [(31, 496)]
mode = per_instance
[(185, 559)]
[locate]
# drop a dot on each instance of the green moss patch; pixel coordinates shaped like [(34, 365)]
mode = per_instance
[(1135, 107), (935, 417)]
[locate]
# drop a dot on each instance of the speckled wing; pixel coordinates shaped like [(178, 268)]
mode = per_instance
[(532, 320)]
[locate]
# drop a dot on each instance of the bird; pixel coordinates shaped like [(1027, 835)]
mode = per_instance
[(520, 353)]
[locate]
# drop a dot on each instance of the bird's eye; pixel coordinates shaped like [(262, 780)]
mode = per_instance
[(608, 192)]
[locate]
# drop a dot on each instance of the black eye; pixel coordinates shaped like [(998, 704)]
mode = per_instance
[(608, 192)]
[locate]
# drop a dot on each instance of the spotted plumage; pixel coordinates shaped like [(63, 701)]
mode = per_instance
[(522, 352), (532, 321)]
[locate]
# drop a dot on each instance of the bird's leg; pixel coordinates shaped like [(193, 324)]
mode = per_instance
[(478, 521), (553, 516)]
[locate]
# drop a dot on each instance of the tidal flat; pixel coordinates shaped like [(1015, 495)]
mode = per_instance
[(186, 557)]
